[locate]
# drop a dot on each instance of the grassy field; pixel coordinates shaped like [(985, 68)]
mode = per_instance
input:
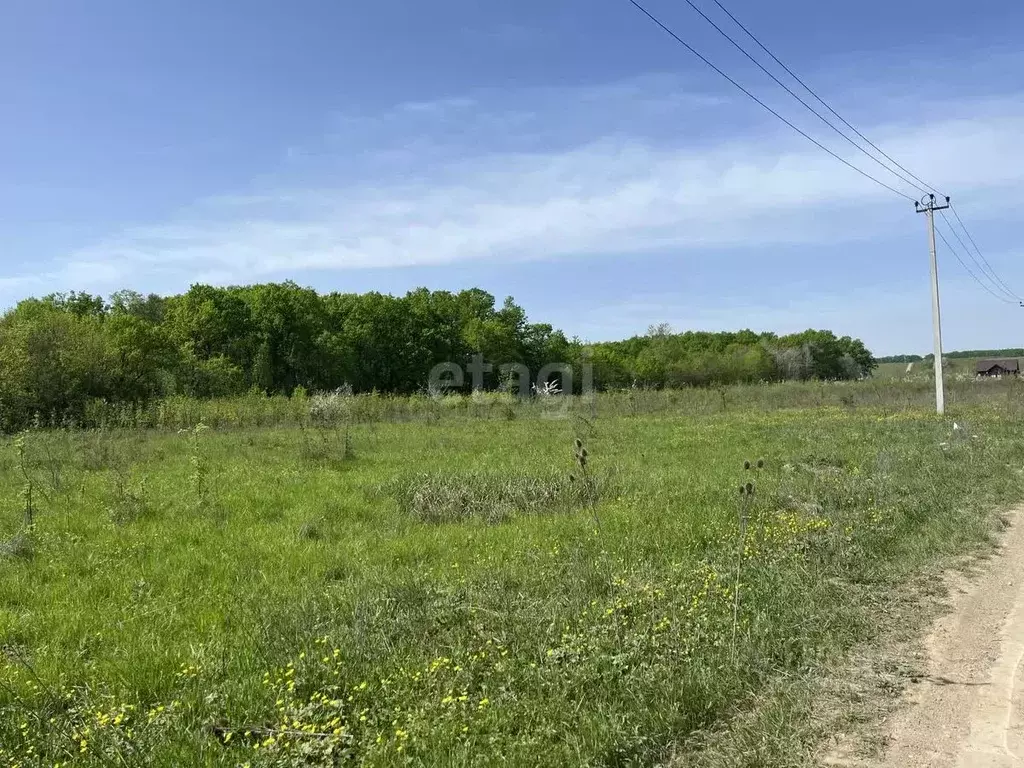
[(956, 366), (420, 584)]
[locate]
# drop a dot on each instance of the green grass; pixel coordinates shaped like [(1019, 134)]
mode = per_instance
[(436, 590)]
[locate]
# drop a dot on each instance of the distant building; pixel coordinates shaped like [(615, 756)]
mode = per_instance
[(999, 366)]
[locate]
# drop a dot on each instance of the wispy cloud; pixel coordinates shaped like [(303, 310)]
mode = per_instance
[(608, 191), (438, 106)]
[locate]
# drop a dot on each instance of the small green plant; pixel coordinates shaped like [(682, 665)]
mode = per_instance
[(52, 460), (98, 450), (26, 495), (128, 500), (20, 545), (509, 383), (199, 473), (329, 444)]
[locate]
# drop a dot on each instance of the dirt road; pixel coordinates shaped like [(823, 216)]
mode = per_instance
[(969, 710)]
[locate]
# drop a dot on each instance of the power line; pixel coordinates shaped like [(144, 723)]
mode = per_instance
[(809, 108), (968, 269), (982, 256), (994, 281), (750, 95), (924, 186), (986, 268)]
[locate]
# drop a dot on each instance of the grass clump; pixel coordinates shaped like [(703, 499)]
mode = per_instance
[(446, 496), (490, 497), (18, 546), (327, 444), (129, 501)]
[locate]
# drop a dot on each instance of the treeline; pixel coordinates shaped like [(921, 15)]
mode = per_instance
[(697, 358), (957, 355), (900, 359), (62, 351), (981, 353)]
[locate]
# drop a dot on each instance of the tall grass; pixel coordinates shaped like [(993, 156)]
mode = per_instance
[(445, 594), (256, 410)]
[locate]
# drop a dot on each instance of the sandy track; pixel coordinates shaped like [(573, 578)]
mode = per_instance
[(968, 712)]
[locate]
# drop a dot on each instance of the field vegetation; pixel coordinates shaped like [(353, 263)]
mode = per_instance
[(64, 356), (955, 355), (958, 364), (414, 580)]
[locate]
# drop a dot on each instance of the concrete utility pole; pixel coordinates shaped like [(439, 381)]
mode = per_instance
[(927, 206)]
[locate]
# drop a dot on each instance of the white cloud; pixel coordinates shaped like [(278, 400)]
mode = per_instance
[(621, 192), (438, 106), (607, 196)]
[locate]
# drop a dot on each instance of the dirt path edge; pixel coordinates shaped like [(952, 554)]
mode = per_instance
[(965, 707)]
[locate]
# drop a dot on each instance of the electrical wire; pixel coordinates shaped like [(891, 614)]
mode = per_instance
[(992, 271), (921, 185), (918, 184), (969, 270), (984, 265), (924, 186), (750, 95), (978, 264)]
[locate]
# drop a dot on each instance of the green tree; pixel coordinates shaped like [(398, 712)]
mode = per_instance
[(287, 322), (53, 361), (151, 307), (207, 321), (144, 359)]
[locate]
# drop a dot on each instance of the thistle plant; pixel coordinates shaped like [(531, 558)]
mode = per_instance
[(583, 480), (747, 492)]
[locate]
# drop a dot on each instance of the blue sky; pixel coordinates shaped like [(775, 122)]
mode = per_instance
[(567, 153)]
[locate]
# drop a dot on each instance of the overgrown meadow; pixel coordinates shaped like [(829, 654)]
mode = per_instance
[(471, 581)]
